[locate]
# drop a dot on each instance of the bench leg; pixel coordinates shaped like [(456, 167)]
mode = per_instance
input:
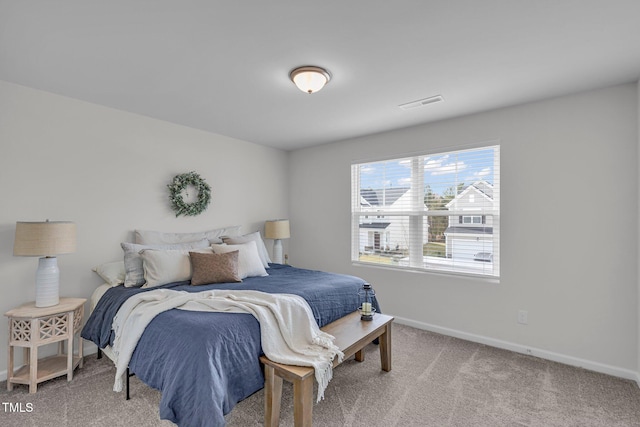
[(303, 402), (360, 355), (272, 397), (385, 348)]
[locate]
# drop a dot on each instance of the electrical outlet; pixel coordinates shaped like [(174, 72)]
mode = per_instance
[(523, 317)]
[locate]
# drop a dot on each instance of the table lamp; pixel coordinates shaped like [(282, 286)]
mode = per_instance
[(45, 239), (277, 229)]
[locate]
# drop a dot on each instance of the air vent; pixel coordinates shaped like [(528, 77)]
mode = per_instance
[(421, 102)]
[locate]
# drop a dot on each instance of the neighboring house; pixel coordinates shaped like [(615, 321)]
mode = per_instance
[(469, 235), (385, 233)]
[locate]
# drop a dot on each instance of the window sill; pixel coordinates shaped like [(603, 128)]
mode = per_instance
[(451, 274)]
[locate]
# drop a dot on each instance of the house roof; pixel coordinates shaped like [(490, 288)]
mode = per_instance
[(469, 230), (482, 187), (382, 197), (376, 225)]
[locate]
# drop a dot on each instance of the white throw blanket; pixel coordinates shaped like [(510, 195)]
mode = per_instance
[(288, 330)]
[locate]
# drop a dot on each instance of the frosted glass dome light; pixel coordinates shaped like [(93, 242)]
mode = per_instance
[(310, 79)]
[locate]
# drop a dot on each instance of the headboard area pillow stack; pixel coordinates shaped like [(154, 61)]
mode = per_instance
[(213, 256)]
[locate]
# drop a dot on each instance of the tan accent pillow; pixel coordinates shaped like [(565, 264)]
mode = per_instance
[(214, 268)]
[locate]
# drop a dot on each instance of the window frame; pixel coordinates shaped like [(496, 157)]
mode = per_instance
[(415, 216)]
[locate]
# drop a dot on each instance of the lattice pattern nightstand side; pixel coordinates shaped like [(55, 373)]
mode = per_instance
[(78, 314), (31, 327), (20, 330)]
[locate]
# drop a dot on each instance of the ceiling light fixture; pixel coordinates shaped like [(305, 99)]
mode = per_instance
[(309, 78)]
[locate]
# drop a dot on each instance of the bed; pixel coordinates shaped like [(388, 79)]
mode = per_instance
[(205, 363)]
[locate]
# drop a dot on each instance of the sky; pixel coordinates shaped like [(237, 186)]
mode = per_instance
[(441, 171)]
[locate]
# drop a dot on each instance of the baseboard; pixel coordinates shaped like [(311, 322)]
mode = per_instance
[(91, 348), (532, 351), (88, 348)]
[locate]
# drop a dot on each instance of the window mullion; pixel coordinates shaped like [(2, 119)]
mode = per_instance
[(416, 222)]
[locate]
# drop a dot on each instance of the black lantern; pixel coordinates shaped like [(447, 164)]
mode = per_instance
[(366, 309)]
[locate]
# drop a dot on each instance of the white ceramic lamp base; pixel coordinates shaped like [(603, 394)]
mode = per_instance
[(47, 282), (277, 251)]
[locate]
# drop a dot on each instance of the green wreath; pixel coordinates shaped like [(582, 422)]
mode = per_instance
[(179, 184)]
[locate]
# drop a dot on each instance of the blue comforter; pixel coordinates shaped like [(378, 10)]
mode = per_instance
[(204, 363)]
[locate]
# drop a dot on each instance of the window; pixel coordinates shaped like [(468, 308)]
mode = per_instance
[(472, 219), (434, 212)]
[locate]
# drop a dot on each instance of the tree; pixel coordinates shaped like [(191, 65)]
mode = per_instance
[(435, 202), (437, 224)]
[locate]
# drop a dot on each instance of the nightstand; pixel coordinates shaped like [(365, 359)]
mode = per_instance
[(31, 327)]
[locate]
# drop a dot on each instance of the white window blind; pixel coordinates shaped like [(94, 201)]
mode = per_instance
[(436, 212)]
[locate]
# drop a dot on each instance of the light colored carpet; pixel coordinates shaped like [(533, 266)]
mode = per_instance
[(436, 381)]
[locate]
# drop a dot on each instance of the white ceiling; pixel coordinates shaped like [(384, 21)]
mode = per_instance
[(222, 66)]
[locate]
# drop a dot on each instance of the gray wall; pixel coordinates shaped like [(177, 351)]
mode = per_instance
[(108, 171), (563, 161), (567, 258)]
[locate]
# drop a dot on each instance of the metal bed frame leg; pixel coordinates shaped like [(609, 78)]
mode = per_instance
[(128, 375)]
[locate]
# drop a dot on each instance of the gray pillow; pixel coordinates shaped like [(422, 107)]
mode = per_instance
[(134, 269)]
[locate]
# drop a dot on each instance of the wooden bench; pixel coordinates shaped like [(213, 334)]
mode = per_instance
[(352, 335)]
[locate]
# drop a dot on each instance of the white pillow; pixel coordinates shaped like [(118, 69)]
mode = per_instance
[(249, 264), (162, 267), (216, 236), (112, 273), (134, 271), (150, 237), (262, 249)]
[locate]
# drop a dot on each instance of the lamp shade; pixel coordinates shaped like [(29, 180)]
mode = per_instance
[(277, 229), (44, 238)]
